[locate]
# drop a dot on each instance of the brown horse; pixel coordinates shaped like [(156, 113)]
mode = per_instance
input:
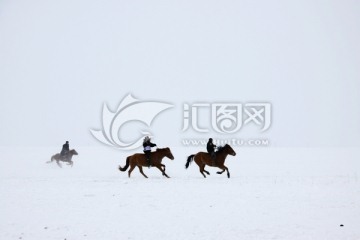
[(139, 160), (67, 158), (202, 159)]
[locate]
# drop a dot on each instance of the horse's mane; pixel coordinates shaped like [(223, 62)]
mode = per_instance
[(221, 148), (161, 149)]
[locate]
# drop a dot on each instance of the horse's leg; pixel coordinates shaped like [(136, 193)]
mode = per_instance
[(131, 169), (71, 163), (224, 168), (164, 168), (58, 163), (203, 163), (228, 173), (161, 170), (201, 166), (141, 171), (202, 170), (205, 170)]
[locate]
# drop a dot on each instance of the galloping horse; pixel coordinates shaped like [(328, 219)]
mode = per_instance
[(67, 158), (202, 159), (139, 160)]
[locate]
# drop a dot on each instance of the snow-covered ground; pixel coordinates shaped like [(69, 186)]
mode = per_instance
[(273, 193)]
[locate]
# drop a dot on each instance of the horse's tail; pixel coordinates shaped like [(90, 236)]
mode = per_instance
[(52, 159), (189, 160), (123, 169)]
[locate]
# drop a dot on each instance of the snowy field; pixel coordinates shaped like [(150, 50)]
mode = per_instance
[(272, 194)]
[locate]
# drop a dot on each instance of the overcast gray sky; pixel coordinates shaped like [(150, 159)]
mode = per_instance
[(61, 60)]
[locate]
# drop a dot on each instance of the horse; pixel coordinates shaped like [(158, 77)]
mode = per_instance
[(139, 160), (202, 159), (68, 158)]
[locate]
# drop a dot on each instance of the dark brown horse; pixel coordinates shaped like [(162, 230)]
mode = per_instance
[(202, 159), (139, 160), (68, 158)]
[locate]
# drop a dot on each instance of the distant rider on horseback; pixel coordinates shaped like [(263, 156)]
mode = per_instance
[(147, 148), (210, 147), (65, 150)]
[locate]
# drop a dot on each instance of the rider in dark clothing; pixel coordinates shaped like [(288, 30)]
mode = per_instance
[(65, 149), (147, 149), (210, 147)]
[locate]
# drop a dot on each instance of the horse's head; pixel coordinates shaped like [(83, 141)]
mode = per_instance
[(73, 152), (167, 152), (228, 149)]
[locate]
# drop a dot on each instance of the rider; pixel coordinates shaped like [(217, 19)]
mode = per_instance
[(65, 149), (210, 147), (147, 148)]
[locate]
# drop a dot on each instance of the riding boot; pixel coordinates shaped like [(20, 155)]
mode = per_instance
[(147, 156), (213, 157)]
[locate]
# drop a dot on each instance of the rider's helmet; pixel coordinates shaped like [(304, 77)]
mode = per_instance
[(210, 139)]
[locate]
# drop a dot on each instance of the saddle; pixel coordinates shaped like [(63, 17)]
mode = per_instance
[(212, 155), (64, 156), (213, 158)]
